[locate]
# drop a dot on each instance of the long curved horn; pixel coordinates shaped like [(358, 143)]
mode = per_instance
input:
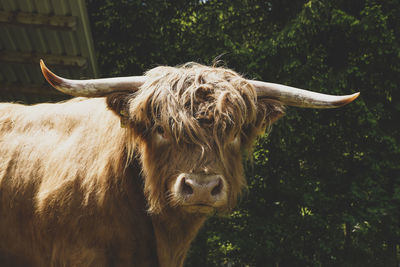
[(91, 88), (298, 97)]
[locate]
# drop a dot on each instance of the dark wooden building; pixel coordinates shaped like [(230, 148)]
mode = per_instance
[(56, 31)]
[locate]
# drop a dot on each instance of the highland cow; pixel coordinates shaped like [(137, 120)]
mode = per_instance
[(127, 173)]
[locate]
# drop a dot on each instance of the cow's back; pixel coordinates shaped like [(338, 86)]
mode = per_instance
[(59, 167)]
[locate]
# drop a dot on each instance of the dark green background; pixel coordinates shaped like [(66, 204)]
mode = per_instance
[(324, 186)]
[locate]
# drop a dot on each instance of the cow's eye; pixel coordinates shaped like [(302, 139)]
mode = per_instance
[(161, 133), (160, 130)]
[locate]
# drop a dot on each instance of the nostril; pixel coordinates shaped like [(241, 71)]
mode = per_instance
[(186, 188), (217, 189)]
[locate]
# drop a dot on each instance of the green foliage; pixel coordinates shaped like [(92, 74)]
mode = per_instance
[(324, 186)]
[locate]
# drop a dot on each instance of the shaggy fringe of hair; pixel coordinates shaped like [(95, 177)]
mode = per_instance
[(182, 101)]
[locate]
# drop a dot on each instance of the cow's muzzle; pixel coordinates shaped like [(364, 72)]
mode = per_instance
[(200, 192)]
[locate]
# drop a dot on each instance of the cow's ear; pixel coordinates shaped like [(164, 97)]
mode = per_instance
[(132, 115), (269, 111), (118, 102)]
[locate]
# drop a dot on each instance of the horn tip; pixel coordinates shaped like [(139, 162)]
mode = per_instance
[(351, 98), (42, 66), (345, 100), (50, 77)]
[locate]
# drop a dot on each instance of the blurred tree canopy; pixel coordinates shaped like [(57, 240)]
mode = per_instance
[(324, 186)]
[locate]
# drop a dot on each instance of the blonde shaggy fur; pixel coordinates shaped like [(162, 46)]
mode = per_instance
[(76, 189)]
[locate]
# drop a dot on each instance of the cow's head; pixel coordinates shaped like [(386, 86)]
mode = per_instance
[(191, 126)]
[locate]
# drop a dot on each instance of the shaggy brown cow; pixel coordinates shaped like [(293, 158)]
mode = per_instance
[(76, 189)]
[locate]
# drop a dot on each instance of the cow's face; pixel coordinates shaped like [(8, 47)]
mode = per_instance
[(192, 125)]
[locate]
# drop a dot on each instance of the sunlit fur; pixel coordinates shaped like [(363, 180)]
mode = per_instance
[(65, 193), (71, 178)]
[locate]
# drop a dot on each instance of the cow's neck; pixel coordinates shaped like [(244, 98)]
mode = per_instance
[(174, 231)]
